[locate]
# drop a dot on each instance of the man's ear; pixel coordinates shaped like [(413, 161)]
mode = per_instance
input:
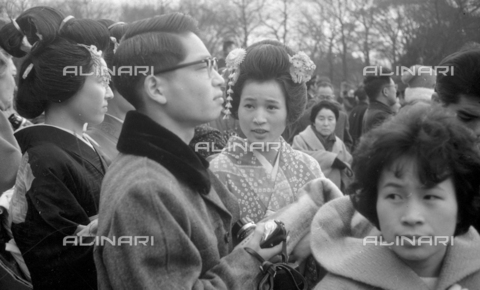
[(385, 91), (154, 88)]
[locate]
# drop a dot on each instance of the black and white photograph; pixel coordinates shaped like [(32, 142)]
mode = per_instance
[(239, 144)]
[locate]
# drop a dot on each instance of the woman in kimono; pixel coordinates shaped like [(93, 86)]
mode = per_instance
[(319, 141), (263, 171), (267, 89), (106, 134), (58, 184)]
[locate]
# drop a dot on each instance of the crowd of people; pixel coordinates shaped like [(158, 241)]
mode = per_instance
[(137, 179)]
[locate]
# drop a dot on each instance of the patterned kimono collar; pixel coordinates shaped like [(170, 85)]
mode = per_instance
[(245, 153), (142, 136)]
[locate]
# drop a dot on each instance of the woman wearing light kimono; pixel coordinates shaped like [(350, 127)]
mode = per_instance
[(319, 141), (267, 89)]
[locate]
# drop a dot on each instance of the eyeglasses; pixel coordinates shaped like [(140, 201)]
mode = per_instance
[(210, 61)]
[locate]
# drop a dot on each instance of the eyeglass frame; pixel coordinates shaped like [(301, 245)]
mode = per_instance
[(208, 61)]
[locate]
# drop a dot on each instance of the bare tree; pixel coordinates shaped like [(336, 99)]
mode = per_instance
[(276, 21), (248, 16)]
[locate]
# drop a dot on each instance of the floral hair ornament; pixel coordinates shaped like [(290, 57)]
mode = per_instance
[(302, 67), (99, 68), (233, 61)]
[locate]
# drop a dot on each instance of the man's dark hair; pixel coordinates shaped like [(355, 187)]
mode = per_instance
[(439, 145), (360, 94), (150, 42), (462, 77), (374, 83)]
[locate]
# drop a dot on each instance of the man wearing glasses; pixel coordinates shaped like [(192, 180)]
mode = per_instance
[(159, 197), (382, 94)]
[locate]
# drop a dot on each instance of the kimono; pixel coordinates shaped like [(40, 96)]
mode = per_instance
[(308, 142), (262, 189), (56, 193)]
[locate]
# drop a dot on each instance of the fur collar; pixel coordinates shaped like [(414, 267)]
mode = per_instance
[(142, 136)]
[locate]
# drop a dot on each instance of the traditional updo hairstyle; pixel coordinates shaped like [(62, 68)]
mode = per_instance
[(42, 77), (269, 60), (116, 30)]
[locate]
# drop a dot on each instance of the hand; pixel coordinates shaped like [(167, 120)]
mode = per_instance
[(253, 241), (339, 164), (302, 250), (89, 230)]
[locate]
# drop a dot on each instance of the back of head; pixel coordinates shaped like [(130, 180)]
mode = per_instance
[(269, 60), (153, 42), (419, 76), (373, 83), (44, 78), (360, 94), (27, 29), (439, 145), (461, 78)]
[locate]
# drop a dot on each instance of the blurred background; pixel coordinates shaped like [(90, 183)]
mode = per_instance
[(341, 36)]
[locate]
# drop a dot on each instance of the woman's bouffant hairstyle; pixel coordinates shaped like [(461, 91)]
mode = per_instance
[(439, 145), (150, 42), (462, 77), (323, 105), (46, 81), (269, 60)]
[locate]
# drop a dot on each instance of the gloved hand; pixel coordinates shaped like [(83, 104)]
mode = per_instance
[(339, 164)]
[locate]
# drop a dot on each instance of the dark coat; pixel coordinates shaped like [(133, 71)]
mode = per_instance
[(159, 188)]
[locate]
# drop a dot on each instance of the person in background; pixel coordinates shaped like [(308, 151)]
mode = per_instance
[(356, 116), (57, 189), (421, 83), (382, 94), (325, 91), (320, 142), (459, 89), (106, 134), (416, 180), (228, 45)]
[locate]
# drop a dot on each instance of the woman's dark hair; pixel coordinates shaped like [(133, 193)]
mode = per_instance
[(116, 30), (323, 105), (462, 77), (33, 22), (150, 42), (269, 60), (440, 146), (48, 79)]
